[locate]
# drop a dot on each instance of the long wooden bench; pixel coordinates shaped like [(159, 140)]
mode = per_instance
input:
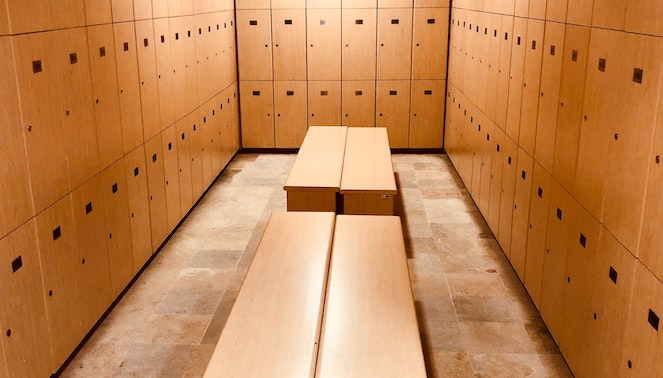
[(370, 326), (315, 178), (274, 325), (368, 184)]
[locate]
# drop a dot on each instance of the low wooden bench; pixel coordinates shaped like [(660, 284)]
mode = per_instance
[(368, 184), (315, 178), (274, 325), (370, 326)]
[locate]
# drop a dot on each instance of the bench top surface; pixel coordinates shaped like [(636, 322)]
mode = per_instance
[(370, 326), (319, 163), (274, 325), (367, 168)]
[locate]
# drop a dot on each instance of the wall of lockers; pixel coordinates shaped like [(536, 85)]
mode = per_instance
[(116, 116), (555, 124), (334, 62)]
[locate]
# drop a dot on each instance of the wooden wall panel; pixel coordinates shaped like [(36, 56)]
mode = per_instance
[(66, 14), (521, 205), (359, 4), (289, 39), (4, 28), (324, 103), (531, 85), (323, 4), (254, 44), (136, 173), (190, 63), (323, 34), (290, 124), (521, 8), (427, 113), (537, 9), (358, 37), (514, 103), (147, 69), (257, 125), (486, 150), (392, 110), (358, 103), (171, 176), (159, 9), (252, 4), (394, 43), (288, 4), (430, 28)]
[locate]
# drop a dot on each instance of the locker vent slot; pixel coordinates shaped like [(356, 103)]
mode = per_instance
[(57, 233), (552, 50), (288, 22), (154, 158), (602, 65), (114, 188), (17, 264), (637, 75), (102, 51), (290, 93), (393, 93), (170, 146), (256, 93), (73, 58), (324, 93), (163, 38), (359, 22), (539, 192), (523, 175), (358, 93), (395, 21), (583, 240), (653, 319), (126, 46), (559, 213), (508, 160), (146, 42), (36, 66), (613, 275), (136, 171), (253, 22), (428, 92), (88, 208), (533, 45), (574, 55), (323, 22), (430, 21)]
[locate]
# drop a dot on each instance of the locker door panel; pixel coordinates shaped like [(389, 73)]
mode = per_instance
[(23, 313), (190, 65), (371, 4), (129, 85), (147, 69), (431, 28), (175, 8), (205, 146), (122, 10), (139, 205), (142, 9), (358, 35), (644, 17), (254, 45), (257, 108), (569, 118), (323, 33), (60, 265), (537, 9), (323, 4), (324, 103), (157, 191), (609, 14), (509, 174), (358, 103), (486, 144), (106, 93), (516, 76), (290, 109), (556, 10), (497, 161), (393, 110), (179, 58), (29, 16), (4, 30), (493, 59), (253, 4), (159, 9), (531, 85), (164, 72), (118, 224), (288, 4), (289, 38), (216, 134), (551, 70), (195, 149), (521, 206), (97, 12), (16, 206), (521, 8), (383, 4), (68, 13), (579, 12), (171, 175), (184, 163), (505, 35), (427, 113), (394, 44)]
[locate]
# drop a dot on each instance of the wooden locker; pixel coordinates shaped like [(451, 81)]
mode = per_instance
[(190, 65), (215, 134), (129, 85), (497, 161), (175, 8), (257, 107), (323, 50), (394, 49), (289, 39), (179, 60), (16, 206), (516, 78), (509, 175), (196, 153), (234, 102), (571, 95), (252, 4), (644, 17), (640, 79), (27, 347), (531, 85), (142, 10), (358, 103), (521, 8), (122, 10), (29, 16), (521, 208), (427, 113), (358, 36), (97, 12), (493, 60), (323, 4), (609, 14), (205, 147), (159, 9), (67, 14), (156, 184), (392, 110), (167, 100), (430, 33), (611, 300), (172, 176), (536, 233), (118, 224), (290, 110), (139, 205), (93, 272), (254, 45), (579, 12), (60, 264), (106, 93), (184, 163), (486, 153), (227, 132), (475, 147), (482, 46), (147, 70), (537, 9), (324, 103), (556, 11), (288, 4), (505, 35), (551, 71)]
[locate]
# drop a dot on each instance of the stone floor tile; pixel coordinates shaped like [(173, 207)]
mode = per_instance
[(496, 337), (178, 329), (476, 284)]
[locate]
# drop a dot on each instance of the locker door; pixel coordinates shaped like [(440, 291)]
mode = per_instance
[(556, 11), (179, 57), (184, 163), (171, 175), (431, 28), (4, 30), (106, 93), (16, 204), (521, 205), (370, 4), (254, 45), (358, 103), (205, 146), (118, 224), (195, 149), (383, 4), (139, 206), (167, 102), (234, 102), (644, 17), (531, 85), (536, 233), (324, 103), (154, 161), (521, 8), (509, 174), (147, 69), (427, 113), (497, 161), (227, 132), (23, 313), (288, 4), (289, 37), (537, 9), (551, 71), (579, 12), (290, 109), (128, 82), (609, 14), (190, 65), (516, 78), (394, 44), (485, 145), (323, 4), (505, 35), (67, 13), (358, 36), (257, 120), (392, 110), (569, 118), (122, 10), (323, 33), (60, 267), (29, 16), (97, 12), (493, 59), (253, 4), (91, 235), (159, 9), (175, 8), (629, 150), (142, 9)]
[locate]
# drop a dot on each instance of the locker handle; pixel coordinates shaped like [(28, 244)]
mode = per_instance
[(17, 264), (163, 39), (57, 233), (602, 63), (126, 46), (432, 21), (256, 93), (559, 213), (358, 93), (290, 93), (533, 45), (323, 22), (73, 58), (114, 188), (102, 51), (253, 22), (288, 22), (146, 42), (395, 21), (539, 192), (653, 319), (552, 50), (324, 93), (88, 208), (637, 75), (613, 275), (574, 55), (393, 93), (583, 240), (428, 92), (154, 158), (359, 22), (36, 66)]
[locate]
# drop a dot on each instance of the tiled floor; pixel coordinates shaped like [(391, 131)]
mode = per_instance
[(475, 317)]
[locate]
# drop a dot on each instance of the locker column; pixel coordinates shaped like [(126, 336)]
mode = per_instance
[(323, 49)]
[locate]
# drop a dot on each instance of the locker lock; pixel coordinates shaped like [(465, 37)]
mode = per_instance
[(658, 159)]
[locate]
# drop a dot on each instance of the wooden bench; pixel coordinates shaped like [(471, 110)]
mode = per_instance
[(368, 184), (315, 178), (274, 325), (370, 326)]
